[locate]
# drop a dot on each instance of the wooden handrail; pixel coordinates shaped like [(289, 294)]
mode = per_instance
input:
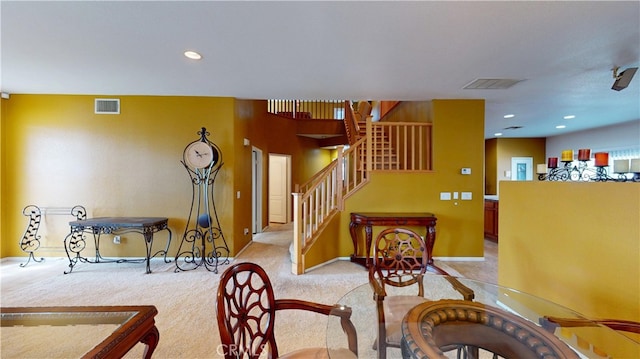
[(350, 123), (387, 146)]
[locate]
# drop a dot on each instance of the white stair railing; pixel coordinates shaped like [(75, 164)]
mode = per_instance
[(406, 147)]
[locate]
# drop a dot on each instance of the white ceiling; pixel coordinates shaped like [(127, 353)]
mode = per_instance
[(383, 50)]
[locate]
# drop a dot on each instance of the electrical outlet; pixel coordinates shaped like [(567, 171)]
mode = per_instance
[(246, 231), (116, 239)]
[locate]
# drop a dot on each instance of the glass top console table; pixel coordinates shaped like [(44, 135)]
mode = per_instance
[(75, 242), (512, 308), (77, 332)]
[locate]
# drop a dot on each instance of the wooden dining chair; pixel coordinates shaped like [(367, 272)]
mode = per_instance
[(399, 260), (246, 316)]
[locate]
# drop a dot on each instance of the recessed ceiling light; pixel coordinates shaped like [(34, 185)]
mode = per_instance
[(509, 116), (561, 126), (498, 134), (569, 117), (192, 55)]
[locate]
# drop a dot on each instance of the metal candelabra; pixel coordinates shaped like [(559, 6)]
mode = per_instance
[(582, 172)]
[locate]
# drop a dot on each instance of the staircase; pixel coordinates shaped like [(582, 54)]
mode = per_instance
[(384, 156), (373, 146)]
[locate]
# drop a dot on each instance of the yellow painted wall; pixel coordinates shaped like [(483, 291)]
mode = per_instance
[(576, 244), (460, 226), (2, 152), (498, 154), (130, 165), (411, 111), (518, 147), (61, 154), (490, 166), (246, 113)]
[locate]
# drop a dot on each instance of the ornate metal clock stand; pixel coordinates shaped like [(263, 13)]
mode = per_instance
[(203, 243)]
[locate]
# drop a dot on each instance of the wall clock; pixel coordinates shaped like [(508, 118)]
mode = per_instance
[(200, 154)]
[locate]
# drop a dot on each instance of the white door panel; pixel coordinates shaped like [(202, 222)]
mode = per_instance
[(278, 188)]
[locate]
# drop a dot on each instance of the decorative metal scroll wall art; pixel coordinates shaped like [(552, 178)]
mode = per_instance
[(581, 171), (75, 241), (30, 241), (203, 243)]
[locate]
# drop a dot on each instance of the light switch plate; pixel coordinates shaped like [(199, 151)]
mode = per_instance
[(445, 196), (466, 171), (466, 196)]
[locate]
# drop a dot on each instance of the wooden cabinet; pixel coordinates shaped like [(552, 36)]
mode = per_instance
[(491, 219)]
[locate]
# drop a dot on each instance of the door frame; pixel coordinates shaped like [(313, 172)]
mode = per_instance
[(288, 199), (256, 190)]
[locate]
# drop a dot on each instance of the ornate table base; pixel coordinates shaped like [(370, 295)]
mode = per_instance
[(368, 220), (75, 241)]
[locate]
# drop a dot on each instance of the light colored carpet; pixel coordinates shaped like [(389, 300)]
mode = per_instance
[(185, 300)]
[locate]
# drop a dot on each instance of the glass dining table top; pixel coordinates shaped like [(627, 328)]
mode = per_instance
[(67, 332), (593, 341)]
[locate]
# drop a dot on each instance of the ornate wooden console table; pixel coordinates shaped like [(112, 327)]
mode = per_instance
[(370, 219)]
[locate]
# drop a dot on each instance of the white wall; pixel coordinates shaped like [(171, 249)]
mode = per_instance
[(624, 136)]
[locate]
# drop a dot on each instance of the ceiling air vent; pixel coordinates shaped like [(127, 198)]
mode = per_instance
[(491, 84), (107, 106), (512, 128)]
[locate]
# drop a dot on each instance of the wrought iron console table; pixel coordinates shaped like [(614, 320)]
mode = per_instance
[(75, 241)]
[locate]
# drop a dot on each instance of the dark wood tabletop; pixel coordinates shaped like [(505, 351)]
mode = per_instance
[(135, 324)]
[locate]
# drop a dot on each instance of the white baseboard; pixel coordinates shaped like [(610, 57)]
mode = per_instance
[(460, 259), (326, 263), (444, 259)]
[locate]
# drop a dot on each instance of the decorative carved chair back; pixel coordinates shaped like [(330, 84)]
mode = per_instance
[(399, 258), (246, 315), (246, 308)]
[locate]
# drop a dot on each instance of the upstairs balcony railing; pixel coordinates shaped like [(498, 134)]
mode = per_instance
[(301, 109), (387, 146)]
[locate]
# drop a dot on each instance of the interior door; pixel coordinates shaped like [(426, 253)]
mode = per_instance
[(278, 188)]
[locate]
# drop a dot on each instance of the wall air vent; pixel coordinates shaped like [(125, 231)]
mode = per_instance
[(491, 84), (107, 106)]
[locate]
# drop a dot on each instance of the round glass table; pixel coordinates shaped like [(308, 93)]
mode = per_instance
[(498, 309)]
